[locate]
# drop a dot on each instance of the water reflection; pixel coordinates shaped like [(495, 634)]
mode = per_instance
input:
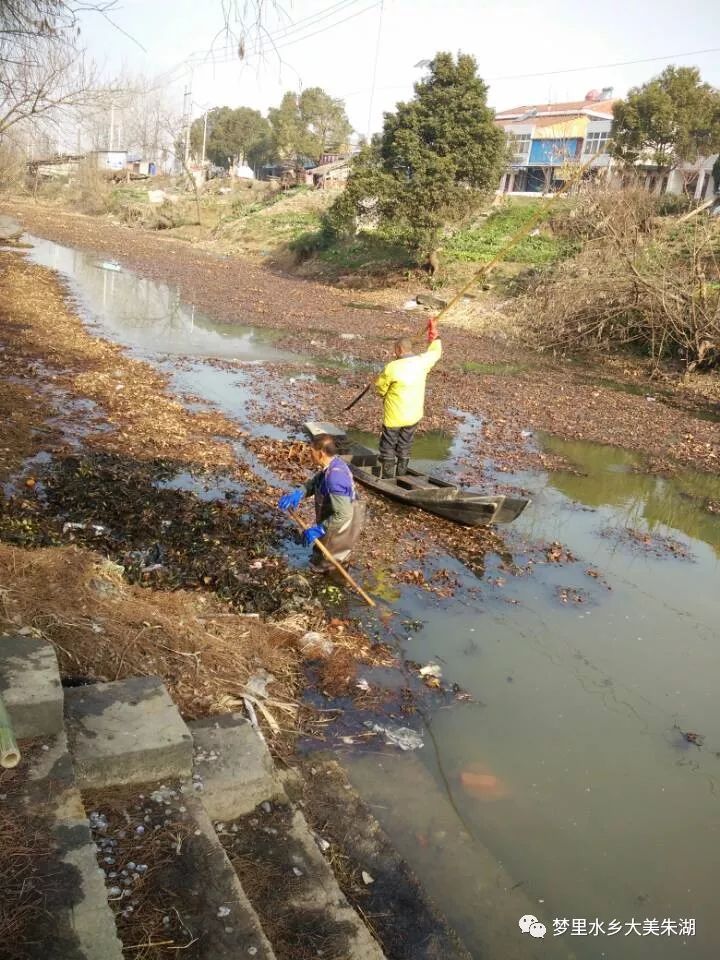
[(150, 316), (613, 477)]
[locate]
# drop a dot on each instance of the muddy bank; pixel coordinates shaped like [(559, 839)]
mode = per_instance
[(509, 391)]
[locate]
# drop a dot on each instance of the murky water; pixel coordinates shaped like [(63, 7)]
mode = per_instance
[(148, 316), (567, 790), (600, 808)]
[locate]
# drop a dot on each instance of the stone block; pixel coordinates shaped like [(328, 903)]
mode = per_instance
[(233, 766), (30, 686), (75, 920), (128, 731)]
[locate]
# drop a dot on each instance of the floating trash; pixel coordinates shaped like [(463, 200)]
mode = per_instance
[(402, 737)]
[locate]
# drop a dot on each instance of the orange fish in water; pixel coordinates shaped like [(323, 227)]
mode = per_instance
[(481, 782)]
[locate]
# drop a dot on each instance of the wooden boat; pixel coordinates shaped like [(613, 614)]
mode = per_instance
[(417, 489)]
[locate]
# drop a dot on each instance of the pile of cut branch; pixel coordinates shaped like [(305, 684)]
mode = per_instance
[(641, 282)]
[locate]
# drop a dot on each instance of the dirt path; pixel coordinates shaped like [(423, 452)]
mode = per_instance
[(510, 391)]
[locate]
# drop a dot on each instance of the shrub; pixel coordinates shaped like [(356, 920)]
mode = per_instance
[(642, 283)]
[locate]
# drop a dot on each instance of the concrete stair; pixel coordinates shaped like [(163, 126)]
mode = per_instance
[(42, 795), (239, 788), (125, 732), (127, 745), (30, 686)]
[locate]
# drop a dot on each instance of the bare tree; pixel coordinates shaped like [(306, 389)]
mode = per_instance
[(245, 23), (42, 92), (42, 72)]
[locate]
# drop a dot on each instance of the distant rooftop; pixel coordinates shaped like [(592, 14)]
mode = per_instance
[(534, 111)]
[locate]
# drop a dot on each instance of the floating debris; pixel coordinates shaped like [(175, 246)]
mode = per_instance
[(403, 737)]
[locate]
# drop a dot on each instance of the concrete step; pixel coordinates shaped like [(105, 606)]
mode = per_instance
[(56, 891), (408, 924), (168, 876), (232, 766), (30, 686), (124, 732), (292, 887)]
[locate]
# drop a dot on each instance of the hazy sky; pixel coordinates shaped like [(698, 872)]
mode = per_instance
[(509, 39)]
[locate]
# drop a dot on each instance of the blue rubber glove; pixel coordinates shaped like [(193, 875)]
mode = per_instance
[(313, 533), (291, 501)]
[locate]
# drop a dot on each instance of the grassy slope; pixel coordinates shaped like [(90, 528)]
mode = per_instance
[(480, 242)]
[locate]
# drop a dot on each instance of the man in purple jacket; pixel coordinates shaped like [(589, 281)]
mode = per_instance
[(339, 515)]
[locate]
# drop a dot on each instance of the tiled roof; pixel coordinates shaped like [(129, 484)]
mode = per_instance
[(334, 165), (576, 106)]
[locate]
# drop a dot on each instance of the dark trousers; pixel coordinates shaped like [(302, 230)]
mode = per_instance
[(396, 442)]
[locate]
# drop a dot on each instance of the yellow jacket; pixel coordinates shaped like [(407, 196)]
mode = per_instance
[(402, 387)]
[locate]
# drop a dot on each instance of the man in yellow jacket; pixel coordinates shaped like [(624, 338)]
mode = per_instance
[(402, 387)]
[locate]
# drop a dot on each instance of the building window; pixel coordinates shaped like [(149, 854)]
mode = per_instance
[(519, 144), (595, 143)]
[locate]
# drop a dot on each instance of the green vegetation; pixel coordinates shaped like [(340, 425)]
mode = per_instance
[(272, 230), (241, 208), (479, 244), (493, 369), (437, 159), (305, 125), (232, 134), (368, 251), (675, 117)]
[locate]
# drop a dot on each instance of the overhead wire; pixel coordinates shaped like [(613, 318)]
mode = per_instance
[(552, 73), (375, 69), (279, 39)]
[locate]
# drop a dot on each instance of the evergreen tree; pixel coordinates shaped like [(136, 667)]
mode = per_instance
[(325, 119), (232, 134), (438, 157), (672, 119), (290, 135)]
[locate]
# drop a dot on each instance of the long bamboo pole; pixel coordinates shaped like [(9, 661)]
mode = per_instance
[(486, 268), (328, 556), (9, 752)]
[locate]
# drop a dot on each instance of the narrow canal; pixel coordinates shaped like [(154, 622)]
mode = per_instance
[(568, 789)]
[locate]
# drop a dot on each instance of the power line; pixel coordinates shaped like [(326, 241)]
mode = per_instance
[(604, 66), (201, 58), (552, 73), (282, 46)]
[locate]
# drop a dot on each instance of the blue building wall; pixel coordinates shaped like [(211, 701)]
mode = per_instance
[(548, 153)]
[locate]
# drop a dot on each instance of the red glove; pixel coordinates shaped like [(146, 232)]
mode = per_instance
[(432, 330)]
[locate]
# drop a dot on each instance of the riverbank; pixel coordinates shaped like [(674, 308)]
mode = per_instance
[(127, 574), (671, 421), (545, 625)]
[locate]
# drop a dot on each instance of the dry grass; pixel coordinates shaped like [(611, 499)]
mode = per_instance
[(22, 413), (105, 629), (641, 282)]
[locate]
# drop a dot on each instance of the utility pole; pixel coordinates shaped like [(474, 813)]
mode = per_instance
[(111, 135), (187, 106), (204, 136)]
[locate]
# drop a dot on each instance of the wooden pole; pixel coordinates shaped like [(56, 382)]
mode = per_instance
[(328, 556), (486, 268)]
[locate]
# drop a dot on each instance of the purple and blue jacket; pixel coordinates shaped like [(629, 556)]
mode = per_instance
[(334, 491)]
